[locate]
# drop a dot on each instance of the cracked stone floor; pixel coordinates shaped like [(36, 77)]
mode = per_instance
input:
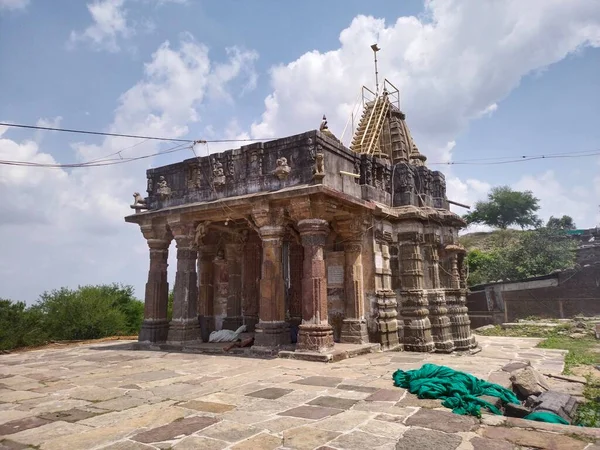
[(106, 396)]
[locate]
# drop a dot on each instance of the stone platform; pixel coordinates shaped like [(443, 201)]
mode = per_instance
[(103, 396), (338, 353)]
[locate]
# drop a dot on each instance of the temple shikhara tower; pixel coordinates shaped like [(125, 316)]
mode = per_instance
[(309, 243)]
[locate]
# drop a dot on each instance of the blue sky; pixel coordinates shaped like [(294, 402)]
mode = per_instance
[(478, 80)]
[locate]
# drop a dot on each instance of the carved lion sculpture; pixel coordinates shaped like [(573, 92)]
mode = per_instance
[(138, 199)]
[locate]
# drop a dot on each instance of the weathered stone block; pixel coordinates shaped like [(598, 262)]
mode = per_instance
[(528, 381)]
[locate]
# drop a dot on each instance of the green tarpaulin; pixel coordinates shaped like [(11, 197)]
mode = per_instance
[(459, 391)]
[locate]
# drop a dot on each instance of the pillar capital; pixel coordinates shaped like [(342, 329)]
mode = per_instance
[(271, 232), (184, 233), (352, 228), (313, 232), (157, 234), (263, 214)]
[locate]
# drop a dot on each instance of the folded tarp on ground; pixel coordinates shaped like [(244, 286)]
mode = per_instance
[(459, 391)]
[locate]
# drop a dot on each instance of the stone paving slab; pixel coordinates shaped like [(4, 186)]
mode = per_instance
[(168, 432), (107, 396)]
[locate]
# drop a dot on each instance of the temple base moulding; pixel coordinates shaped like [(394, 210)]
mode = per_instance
[(183, 331), (354, 331), (315, 338), (271, 335), (154, 330)]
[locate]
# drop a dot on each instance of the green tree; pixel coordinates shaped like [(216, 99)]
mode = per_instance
[(531, 253), (561, 223), (539, 252), (504, 208)]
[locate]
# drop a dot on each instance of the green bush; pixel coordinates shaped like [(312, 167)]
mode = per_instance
[(20, 327), (89, 312)]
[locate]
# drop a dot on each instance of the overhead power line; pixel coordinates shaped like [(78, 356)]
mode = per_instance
[(95, 163), (476, 162), (135, 136), (98, 133)]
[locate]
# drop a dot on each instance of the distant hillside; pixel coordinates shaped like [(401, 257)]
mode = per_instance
[(486, 241)]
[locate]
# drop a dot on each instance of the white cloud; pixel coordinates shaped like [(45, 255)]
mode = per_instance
[(109, 25), (454, 64), (67, 225), (13, 5), (46, 123), (556, 199)]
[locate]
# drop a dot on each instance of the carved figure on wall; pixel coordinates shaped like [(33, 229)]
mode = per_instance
[(201, 231), (387, 180), (256, 163), (319, 169), (311, 148), (424, 180), (218, 174), (163, 189), (149, 186), (357, 170), (230, 167), (283, 169), (192, 181), (407, 181), (368, 172)]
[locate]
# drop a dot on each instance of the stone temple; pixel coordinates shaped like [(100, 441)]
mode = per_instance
[(308, 243)]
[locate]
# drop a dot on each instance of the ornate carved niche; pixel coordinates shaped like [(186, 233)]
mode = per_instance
[(404, 185), (193, 177)]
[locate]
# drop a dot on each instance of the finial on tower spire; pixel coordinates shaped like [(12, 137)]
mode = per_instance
[(375, 49)]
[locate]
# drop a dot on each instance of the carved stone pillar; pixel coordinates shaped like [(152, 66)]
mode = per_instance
[(233, 254), (155, 325), (315, 333), (272, 330), (354, 326), (221, 288), (252, 257), (206, 293), (184, 326), (438, 310), (352, 230), (417, 326), (457, 301), (387, 323)]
